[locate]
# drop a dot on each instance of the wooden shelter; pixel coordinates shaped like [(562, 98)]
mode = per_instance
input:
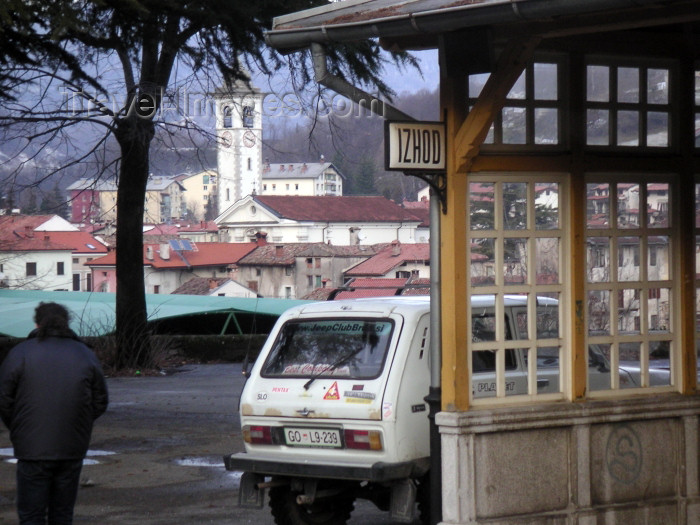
[(573, 159)]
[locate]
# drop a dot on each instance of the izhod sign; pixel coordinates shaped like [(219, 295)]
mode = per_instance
[(415, 146)]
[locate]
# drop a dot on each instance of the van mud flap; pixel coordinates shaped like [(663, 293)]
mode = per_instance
[(403, 499), (249, 494)]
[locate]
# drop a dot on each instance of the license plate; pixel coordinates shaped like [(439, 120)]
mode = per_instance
[(312, 437)]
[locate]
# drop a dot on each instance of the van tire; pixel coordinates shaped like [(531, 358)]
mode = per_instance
[(327, 511)]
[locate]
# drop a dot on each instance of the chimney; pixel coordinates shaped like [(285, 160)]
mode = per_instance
[(395, 248), (304, 167), (279, 251), (165, 251), (261, 238), (322, 159), (28, 231), (213, 284), (149, 253)]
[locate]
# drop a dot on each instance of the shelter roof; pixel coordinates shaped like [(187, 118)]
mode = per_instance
[(416, 24), (93, 314)]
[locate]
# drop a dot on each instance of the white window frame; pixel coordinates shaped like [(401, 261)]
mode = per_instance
[(499, 289)]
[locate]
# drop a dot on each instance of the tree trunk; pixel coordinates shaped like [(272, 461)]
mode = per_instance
[(134, 135)]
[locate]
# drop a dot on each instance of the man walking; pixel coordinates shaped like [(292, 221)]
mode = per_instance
[(51, 390)]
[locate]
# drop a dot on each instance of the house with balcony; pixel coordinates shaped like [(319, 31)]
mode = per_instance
[(301, 178), (95, 201), (32, 253)]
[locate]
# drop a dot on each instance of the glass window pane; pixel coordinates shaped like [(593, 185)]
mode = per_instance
[(546, 126), (515, 206), (657, 86), (481, 205), (659, 308), (598, 259), (548, 319), (514, 261), (628, 320), (657, 129), (659, 363), (483, 263), (628, 128), (547, 260), (697, 130), (597, 205), (546, 205), (514, 125), (658, 258), (548, 369), (517, 92), (628, 258), (628, 84), (546, 81), (629, 367), (598, 84), (483, 325), (598, 312), (657, 205), (628, 206), (599, 367), (597, 127), (476, 84)]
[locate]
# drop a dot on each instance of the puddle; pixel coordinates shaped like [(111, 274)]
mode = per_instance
[(7, 455), (200, 462)]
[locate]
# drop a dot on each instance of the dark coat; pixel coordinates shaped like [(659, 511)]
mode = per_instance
[(51, 391)]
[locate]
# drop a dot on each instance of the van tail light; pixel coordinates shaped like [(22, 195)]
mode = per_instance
[(363, 439), (257, 435)]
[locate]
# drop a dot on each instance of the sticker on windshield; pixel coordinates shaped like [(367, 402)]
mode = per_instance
[(309, 369), (333, 394)]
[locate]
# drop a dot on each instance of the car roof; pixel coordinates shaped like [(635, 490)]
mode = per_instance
[(412, 302)]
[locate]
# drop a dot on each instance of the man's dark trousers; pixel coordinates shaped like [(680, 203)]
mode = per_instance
[(47, 488)]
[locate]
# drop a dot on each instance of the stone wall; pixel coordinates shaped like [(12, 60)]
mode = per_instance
[(626, 462)]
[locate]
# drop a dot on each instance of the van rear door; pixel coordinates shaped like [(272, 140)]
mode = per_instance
[(325, 368)]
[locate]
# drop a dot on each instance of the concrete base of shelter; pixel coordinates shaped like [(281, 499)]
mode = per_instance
[(625, 461)]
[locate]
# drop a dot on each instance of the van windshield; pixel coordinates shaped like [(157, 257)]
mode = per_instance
[(347, 348)]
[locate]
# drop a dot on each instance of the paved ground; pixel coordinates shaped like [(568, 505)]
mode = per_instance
[(156, 455)]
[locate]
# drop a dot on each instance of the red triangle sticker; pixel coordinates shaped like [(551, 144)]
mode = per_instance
[(332, 394)]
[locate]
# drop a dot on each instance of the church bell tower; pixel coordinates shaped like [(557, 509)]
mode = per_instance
[(239, 144)]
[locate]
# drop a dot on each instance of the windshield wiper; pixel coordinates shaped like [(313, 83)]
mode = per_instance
[(333, 366)]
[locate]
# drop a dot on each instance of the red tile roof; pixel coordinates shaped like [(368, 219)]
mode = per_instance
[(203, 254), (392, 256), (338, 209), (370, 287), (19, 223), (286, 254), (75, 241)]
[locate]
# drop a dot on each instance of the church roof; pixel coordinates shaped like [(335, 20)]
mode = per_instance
[(337, 209)]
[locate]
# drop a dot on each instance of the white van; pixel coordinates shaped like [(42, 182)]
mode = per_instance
[(334, 406)]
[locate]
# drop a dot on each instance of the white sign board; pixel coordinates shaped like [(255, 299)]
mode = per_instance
[(415, 146)]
